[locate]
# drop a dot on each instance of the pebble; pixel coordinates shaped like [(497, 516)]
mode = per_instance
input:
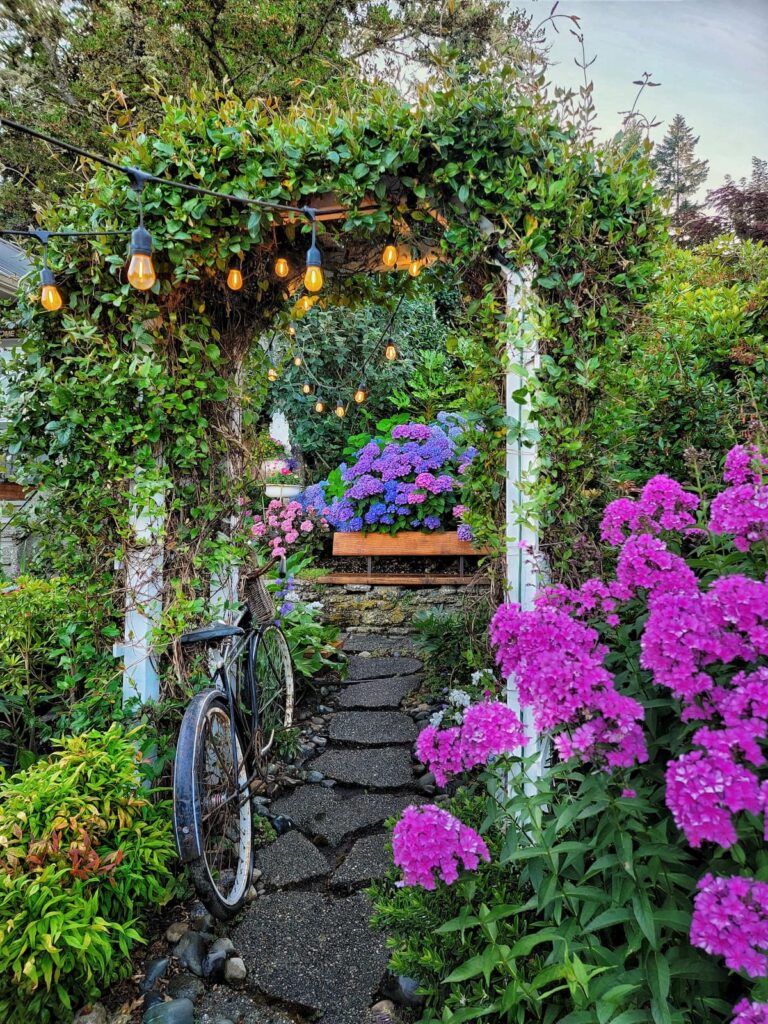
[(320, 741), (200, 919), (324, 709), (427, 783), (96, 1014), (402, 990), (178, 1011), (384, 1006), (251, 895), (314, 776), (328, 783), (257, 873), (225, 943), (185, 986), (191, 951), (153, 971), (174, 932), (152, 999), (213, 965), (235, 970), (281, 824)]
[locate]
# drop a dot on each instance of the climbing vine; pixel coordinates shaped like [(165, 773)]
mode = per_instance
[(123, 396)]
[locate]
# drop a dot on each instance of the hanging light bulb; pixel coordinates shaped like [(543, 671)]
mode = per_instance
[(282, 268), (360, 395), (390, 351), (414, 268), (272, 374), (141, 271), (297, 360), (389, 254), (319, 405), (292, 329), (235, 277), (305, 303), (306, 388), (50, 296), (313, 278), (341, 409)]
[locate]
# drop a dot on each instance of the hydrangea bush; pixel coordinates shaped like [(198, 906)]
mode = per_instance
[(409, 478), (286, 526), (643, 844)]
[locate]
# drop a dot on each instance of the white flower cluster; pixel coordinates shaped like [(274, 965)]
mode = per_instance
[(484, 677), (459, 698)]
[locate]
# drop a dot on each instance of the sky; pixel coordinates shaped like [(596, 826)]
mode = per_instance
[(710, 56)]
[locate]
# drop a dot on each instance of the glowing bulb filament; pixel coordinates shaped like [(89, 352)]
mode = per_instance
[(235, 279), (313, 279), (297, 360), (319, 406), (390, 352), (50, 298), (389, 255), (141, 271), (272, 374), (306, 388), (340, 410), (360, 395), (414, 268), (281, 267)]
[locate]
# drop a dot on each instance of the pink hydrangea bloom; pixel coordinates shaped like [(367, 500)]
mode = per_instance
[(258, 529), (730, 919), (306, 526), (429, 844), (705, 790), (750, 1013)]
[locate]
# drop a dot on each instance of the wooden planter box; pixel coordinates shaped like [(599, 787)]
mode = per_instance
[(12, 492), (406, 544)]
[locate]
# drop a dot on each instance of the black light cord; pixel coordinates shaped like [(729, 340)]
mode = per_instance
[(139, 177)]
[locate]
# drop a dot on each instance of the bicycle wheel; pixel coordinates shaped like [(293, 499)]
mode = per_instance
[(212, 816), (274, 688)]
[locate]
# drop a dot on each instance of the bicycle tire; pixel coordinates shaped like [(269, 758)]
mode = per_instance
[(222, 879), (274, 685)]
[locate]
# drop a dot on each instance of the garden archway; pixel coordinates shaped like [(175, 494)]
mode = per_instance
[(140, 394)]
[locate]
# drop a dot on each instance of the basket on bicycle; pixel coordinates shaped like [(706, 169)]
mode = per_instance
[(258, 598)]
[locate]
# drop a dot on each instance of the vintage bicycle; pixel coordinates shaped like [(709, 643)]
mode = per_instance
[(226, 736)]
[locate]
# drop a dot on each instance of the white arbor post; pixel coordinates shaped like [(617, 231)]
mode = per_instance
[(143, 599), (522, 354)]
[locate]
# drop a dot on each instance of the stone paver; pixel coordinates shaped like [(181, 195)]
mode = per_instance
[(381, 668), (291, 859), (310, 951), (372, 728), (379, 768), (332, 815), (378, 693), (369, 859), (222, 1003), (372, 642)]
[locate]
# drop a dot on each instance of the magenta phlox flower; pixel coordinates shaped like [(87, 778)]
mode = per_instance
[(440, 751), (742, 511), (489, 729), (750, 1013), (730, 919), (745, 464), (663, 504), (645, 563), (705, 790), (429, 844)]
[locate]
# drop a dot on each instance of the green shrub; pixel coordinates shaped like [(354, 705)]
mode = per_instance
[(54, 671), (454, 645), (83, 854)]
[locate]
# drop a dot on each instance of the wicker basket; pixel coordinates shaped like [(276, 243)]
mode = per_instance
[(259, 599)]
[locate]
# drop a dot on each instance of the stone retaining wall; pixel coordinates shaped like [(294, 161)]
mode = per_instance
[(366, 608)]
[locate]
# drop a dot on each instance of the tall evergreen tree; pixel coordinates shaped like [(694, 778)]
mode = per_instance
[(678, 172)]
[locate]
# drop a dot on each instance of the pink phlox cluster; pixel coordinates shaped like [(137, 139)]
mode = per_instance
[(750, 1013), (662, 505), (730, 919), (645, 563), (593, 597), (487, 730), (742, 508), (440, 751), (688, 631), (429, 844), (705, 790), (560, 675)]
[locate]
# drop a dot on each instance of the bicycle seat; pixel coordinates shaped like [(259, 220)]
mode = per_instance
[(209, 634)]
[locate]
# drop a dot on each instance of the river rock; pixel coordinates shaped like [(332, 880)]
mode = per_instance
[(235, 970)]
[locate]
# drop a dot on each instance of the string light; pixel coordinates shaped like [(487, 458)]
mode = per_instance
[(414, 267), (282, 268), (390, 351), (313, 278), (319, 405), (389, 254), (292, 329), (297, 360), (360, 395), (235, 276), (50, 296), (341, 409), (306, 388), (272, 374), (305, 303), (141, 270)]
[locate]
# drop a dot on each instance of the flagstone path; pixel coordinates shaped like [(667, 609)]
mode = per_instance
[(308, 950)]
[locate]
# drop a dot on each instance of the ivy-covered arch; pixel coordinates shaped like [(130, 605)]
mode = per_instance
[(126, 399)]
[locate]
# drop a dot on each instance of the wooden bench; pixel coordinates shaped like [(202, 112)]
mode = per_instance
[(406, 544)]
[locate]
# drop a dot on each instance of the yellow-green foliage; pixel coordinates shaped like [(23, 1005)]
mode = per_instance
[(83, 853)]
